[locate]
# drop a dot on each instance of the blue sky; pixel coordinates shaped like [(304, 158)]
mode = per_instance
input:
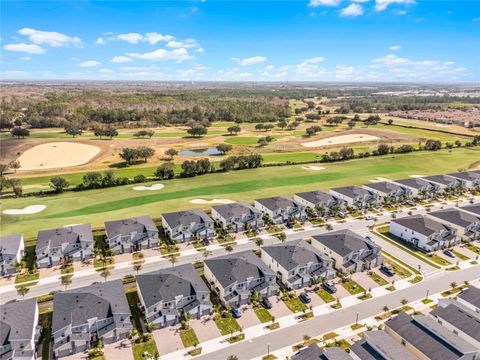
[(314, 40)]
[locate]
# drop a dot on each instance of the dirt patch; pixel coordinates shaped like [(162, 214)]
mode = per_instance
[(341, 139), (57, 155)]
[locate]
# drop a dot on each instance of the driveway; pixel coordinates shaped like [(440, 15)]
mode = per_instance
[(205, 328), (279, 309), (168, 339), (364, 280), (341, 291), (388, 278), (78, 356), (463, 250), (119, 351), (248, 318), (316, 300), (440, 253)]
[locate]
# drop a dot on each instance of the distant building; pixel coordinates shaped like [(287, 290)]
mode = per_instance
[(418, 187), (466, 224), (297, 263), (19, 330), (127, 235), (237, 217), (167, 294), (280, 209), (356, 197), (349, 251), (187, 225), (318, 200), (235, 277), (388, 191), (424, 232), (72, 242), (83, 316), (12, 249)]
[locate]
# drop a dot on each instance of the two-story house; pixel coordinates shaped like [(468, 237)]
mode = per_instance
[(470, 298), (12, 249), (237, 217), (280, 209), (350, 252), (83, 316), (444, 182), (187, 225), (168, 294), (472, 208), (322, 201), (466, 224), (19, 330), (127, 235), (424, 232), (356, 197), (379, 345), (388, 191), (74, 242), (468, 179), (417, 187), (235, 277), (297, 263)]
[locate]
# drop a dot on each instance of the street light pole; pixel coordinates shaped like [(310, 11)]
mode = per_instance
[(428, 291), (268, 351), (356, 319)]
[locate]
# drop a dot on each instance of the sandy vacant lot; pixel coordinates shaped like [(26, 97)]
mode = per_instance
[(341, 139), (57, 155)]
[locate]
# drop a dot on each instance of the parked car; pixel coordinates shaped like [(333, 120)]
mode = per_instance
[(370, 217), (330, 287), (341, 214), (305, 297), (449, 253), (236, 312), (387, 269), (266, 303), (410, 202)]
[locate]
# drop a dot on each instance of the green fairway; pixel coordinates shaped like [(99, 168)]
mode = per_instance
[(242, 140), (98, 206)]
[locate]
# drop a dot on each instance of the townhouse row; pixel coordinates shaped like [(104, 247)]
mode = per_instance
[(76, 242)]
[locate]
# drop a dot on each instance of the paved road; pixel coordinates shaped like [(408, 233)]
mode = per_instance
[(343, 317)]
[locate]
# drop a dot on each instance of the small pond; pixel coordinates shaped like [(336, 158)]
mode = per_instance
[(196, 152)]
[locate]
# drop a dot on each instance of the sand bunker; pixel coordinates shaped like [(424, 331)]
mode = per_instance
[(30, 209), (314, 168), (57, 155), (416, 176), (214, 201), (151, 188), (38, 186), (380, 179), (341, 139)]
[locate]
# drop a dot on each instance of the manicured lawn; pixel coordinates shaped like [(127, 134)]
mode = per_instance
[(439, 260), (139, 349), (27, 277), (325, 295), (189, 338), (399, 270), (329, 336), (416, 279), (45, 321), (242, 140), (97, 206), (295, 305), (227, 325), (352, 287), (263, 315), (133, 299), (378, 279), (474, 249), (461, 256)]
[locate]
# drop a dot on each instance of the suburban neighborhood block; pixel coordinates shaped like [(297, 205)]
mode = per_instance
[(127, 235), (419, 188), (356, 197), (280, 209), (379, 344), (237, 217), (466, 224), (12, 249), (468, 179), (188, 225), (387, 191), (319, 200)]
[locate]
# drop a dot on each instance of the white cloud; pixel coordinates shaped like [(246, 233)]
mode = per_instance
[(187, 43), (233, 74), (132, 38), (310, 67), (344, 72), (200, 50), (121, 59), (162, 54), (106, 71), (89, 63), (153, 37), (381, 5), (51, 38), (250, 60), (27, 48), (316, 3), (395, 47), (25, 58), (14, 74), (100, 41), (391, 59), (352, 10), (360, 1)]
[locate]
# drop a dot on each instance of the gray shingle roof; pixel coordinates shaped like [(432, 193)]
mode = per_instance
[(17, 320), (102, 300), (352, 191), (10, 244), (294, 253), (440, 179), (414, 183), (335, 353), (421, 224), (186, 217), (313, 352), (456, 216), (237, 267), (316, 197), (380, 345), (474, 208), (471, 295), (466, 175), (429, 337), (65, 235), (384, 186), (461, 317), (277, 202), (235, 209), (139, 224), (343, 242), (166, 284)]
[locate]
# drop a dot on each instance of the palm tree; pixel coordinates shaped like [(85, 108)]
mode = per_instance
[(453, 284), (259, 241), (329, 227), (281, 236), (23, 290), (206, 253), (105, 273), (150, 327), (385, 309), (137, 266), (229, 248), (232, 357), (173, 259), (66, 280), (404, 301)]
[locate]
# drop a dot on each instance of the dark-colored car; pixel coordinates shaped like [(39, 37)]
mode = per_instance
[(237, 313), (305, 298), (266, 303), (449, 253), (330, 287), (387, 269)]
